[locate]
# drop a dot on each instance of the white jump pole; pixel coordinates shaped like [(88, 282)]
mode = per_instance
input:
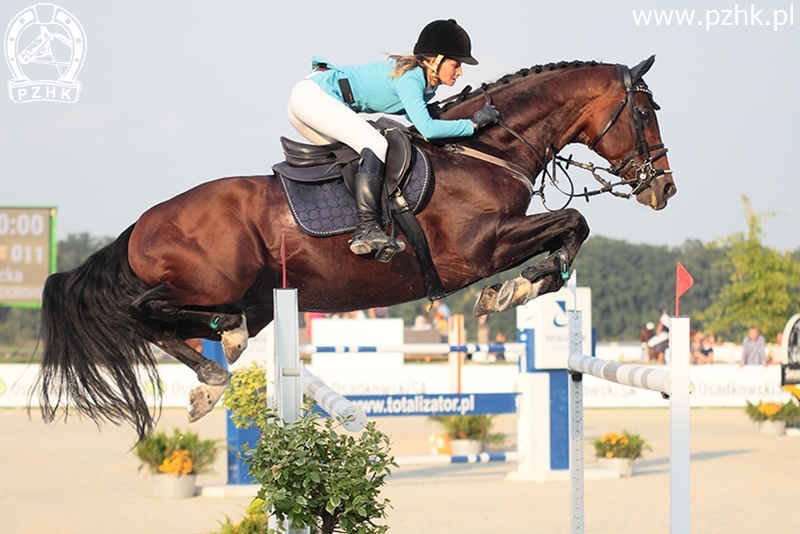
[(679, 452), (287, 380), (352, 416), (674, 384), (284, 386)]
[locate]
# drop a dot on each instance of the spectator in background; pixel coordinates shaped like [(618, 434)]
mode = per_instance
[(483, 339), (441, 313), (441, 310), (753, 348), (423, 320), (379, 313), (774, 354), (702, 349), (659, 343)]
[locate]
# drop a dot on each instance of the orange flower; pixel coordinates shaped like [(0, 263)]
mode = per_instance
[(769, 408), (179, 463)]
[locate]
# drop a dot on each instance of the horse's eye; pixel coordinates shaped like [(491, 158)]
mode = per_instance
[(646, 115)]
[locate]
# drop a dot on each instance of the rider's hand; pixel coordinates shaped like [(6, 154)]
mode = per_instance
[(486, 116)]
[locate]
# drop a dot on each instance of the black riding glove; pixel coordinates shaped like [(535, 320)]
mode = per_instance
[(486, 116)]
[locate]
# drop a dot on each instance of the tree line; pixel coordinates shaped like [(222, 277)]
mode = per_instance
[(739, 282)]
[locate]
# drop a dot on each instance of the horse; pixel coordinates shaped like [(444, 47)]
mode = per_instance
[(204, 263)]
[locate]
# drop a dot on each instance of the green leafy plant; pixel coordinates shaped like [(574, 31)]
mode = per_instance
[(310, 473), (469, 427), (247, 395), (179, 453), (255, 522), (773, 411), (624, 445)]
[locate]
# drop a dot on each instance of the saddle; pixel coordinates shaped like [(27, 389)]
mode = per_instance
[(319, 163), (319, 182)]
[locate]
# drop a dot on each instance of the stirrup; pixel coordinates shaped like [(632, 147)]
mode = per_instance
[(373, 238), (389, 249)]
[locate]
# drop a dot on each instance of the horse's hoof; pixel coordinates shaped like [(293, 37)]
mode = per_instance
[(514, 293), (209, 372), (487, 301), (235, 341), (202, 400)]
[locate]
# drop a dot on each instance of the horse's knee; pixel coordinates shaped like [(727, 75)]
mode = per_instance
[(578, 223)]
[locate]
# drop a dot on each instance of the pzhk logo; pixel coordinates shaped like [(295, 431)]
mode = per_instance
[(45, 48)]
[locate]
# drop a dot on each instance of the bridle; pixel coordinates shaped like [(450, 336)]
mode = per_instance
[(645, 173)]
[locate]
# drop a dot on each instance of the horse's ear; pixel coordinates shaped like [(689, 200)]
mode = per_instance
[(641, 69)]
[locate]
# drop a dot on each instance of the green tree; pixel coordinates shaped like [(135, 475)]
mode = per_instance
[(74, 250), (764, 288)]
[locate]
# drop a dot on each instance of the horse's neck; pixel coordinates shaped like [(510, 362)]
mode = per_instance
[(552, 109)]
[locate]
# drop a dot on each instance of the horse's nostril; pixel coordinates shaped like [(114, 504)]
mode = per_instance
[(669, 189)]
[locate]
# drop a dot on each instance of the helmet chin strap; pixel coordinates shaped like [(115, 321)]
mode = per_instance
[(434, 67)]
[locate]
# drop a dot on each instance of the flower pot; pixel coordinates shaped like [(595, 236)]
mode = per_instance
[(772, 428), (623, 466), (174, 487), (463, 447)]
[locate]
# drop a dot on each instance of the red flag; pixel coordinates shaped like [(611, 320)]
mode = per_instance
[(683, 281)]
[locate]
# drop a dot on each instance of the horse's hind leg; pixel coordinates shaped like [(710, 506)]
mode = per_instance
[(208, 371), (215, 379), (158, 305)]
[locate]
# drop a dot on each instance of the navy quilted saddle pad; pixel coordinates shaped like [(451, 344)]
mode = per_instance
[(327, 208)]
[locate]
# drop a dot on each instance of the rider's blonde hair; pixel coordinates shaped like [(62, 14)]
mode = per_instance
[(403, 64)]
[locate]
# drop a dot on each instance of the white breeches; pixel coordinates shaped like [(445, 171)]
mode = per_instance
[(322, 119)]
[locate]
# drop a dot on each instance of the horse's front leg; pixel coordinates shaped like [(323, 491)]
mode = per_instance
[(561, 233)]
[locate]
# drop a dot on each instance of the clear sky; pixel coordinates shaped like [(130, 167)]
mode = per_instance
[(175, 93)]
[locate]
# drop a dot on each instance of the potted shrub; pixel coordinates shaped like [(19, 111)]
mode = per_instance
[(311, 473), (469, 433), (617, 452), (772, 417), (175, 460)]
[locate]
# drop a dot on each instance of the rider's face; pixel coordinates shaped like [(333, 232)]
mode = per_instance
[(449, 72)]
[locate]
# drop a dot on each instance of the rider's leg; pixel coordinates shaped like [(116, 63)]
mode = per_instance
[(319, 116), (369, 236), (329, 119)]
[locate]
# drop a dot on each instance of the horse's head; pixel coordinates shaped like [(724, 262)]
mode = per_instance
[(626, 134)]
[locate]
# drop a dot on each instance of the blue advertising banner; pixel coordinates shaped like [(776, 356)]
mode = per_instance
[(436, 404)]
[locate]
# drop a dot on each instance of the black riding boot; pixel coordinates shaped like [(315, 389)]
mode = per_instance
[(368, 235)]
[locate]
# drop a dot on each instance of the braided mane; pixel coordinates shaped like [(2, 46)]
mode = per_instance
[(465, 95)]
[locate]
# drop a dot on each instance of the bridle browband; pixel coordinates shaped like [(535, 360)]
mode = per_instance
[(645, 172)]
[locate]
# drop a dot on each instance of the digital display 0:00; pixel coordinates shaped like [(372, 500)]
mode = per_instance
[(22, 225)]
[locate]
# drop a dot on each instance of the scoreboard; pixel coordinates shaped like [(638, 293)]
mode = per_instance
[(27, 254)]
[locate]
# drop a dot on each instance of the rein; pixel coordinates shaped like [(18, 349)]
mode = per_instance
[(645, 172)]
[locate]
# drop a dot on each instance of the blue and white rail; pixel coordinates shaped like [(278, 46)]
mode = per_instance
[(418, 348)]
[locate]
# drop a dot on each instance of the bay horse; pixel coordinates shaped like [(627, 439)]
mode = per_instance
[(204, 263)]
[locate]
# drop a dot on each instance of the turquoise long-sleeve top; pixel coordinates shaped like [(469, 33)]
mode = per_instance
[(375, 91)]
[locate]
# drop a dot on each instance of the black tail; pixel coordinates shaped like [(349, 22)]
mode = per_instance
[(96, 357)]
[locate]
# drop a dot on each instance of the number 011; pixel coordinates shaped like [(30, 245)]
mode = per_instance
[(27, 254)]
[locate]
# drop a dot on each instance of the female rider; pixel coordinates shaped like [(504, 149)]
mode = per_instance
[(324, 106)]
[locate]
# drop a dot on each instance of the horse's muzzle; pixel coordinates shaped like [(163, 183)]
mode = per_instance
[(661, 189)]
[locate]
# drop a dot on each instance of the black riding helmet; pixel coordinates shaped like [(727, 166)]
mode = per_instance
[(445, 38)]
